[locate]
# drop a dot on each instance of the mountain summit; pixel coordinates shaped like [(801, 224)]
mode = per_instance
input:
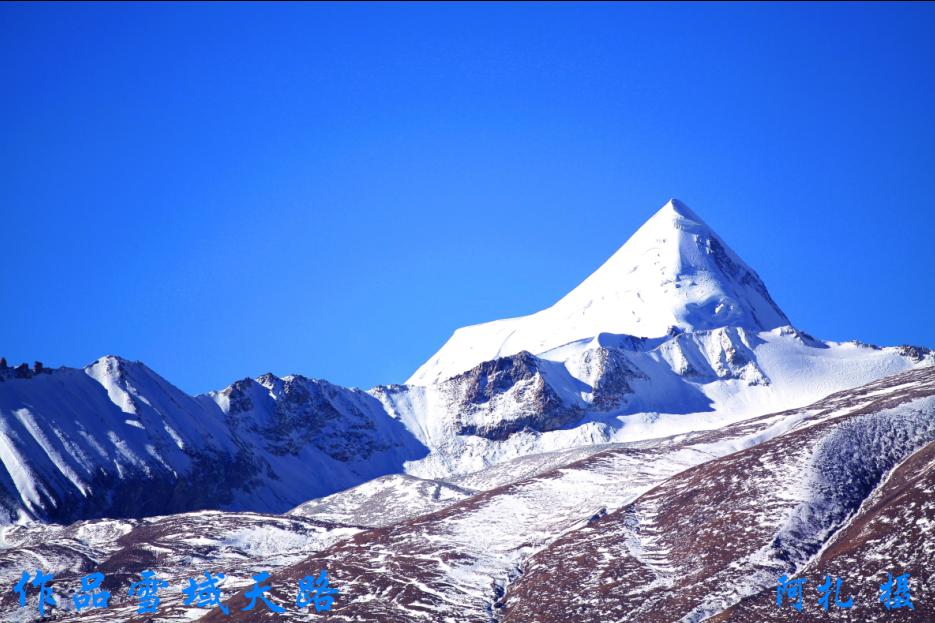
[(675, 271)]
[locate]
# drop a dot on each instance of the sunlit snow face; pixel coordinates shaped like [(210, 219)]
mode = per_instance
[(673, 272)]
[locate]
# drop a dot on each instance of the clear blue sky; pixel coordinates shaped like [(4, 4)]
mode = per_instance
[(331, 190)]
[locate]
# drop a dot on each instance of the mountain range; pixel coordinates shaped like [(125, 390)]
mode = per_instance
[(660, 444)]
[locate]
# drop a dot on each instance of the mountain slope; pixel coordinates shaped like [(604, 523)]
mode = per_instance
[(673, 333), (543, 548), (617, 388), (176, 547), (892, 533), (626, 532), (673, 272), (115, 439), (727, 529), (383, 501)]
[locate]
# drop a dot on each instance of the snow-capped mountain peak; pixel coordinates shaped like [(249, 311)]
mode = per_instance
[(675, 271)]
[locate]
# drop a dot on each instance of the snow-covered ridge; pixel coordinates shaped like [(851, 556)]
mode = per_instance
[(116, 439), (619, 388)]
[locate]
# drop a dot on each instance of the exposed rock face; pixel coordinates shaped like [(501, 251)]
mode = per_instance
[(917, 354), (507, 395), (610, 374), (724, 354)]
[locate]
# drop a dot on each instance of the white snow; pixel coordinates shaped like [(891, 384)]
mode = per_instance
[(673, 272), (782, 371), (732, 355)]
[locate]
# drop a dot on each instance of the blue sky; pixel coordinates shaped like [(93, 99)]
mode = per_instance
[(222, 190)]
